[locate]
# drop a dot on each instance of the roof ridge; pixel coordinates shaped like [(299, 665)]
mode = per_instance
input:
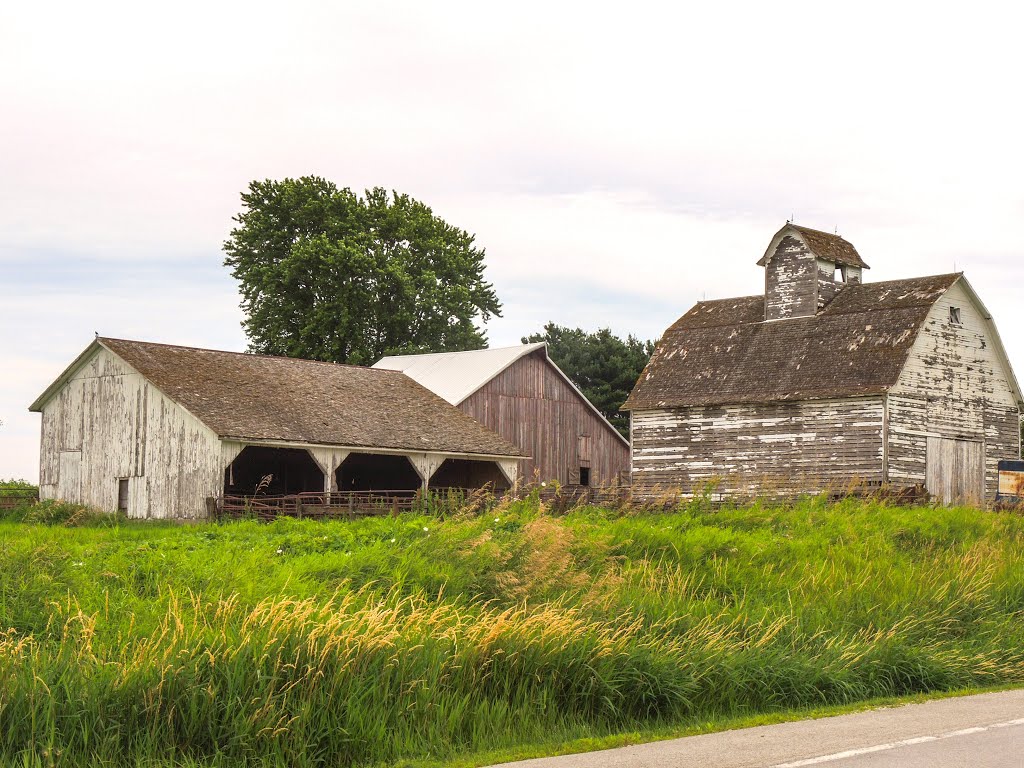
[(467, 351), (243, 354), (817, 231)]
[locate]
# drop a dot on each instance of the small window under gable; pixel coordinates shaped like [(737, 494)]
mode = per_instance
[(954, 316), (840, 274)]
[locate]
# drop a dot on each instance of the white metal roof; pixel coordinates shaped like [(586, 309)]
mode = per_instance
[(457, 375)]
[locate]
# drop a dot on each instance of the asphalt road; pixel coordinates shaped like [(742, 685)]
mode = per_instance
[(984, 731)]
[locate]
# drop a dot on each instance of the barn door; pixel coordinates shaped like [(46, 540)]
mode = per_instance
[(69, 481), (955, 472)]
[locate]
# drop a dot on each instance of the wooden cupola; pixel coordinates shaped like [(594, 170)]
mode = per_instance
[(804, 269)]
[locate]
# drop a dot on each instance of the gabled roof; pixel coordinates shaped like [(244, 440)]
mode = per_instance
[(724, 352), (456, 376), (825, 246), (260, 398)]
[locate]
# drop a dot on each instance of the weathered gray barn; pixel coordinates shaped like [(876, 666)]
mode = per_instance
[(155, 430), (527, 399), (825, 381)]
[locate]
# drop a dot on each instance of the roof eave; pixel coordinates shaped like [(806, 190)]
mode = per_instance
[(583, 397), (1011, 377), (369, 448), (795, 230), (65, 377), (797, 398), (527, 349)]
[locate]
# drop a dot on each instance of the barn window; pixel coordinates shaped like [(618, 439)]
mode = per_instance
[(954, 315), (840, 274), (122, 495), (584, 475)]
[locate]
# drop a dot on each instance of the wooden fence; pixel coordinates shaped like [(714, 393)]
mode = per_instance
[(354, 504), (15, 497), (339, 504)]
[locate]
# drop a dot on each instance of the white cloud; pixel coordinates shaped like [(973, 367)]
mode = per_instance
[(617, 161)]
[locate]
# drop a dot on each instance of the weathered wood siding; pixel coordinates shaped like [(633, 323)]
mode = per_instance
[(953, 386), (827, 286), (532, 406), (109, 423), (781, 447), (791, 279)]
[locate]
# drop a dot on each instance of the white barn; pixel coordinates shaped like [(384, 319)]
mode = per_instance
[(825, 381), (155, 430)]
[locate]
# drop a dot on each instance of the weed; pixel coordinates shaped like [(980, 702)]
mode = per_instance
[(390, 639)]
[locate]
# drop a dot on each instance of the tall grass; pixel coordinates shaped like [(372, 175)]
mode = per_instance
[(305, 644)]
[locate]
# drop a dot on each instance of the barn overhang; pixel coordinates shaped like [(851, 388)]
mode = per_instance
[(331, 461)]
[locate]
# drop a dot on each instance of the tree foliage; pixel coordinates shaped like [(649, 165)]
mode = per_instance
[(601, 364), (328, 275)]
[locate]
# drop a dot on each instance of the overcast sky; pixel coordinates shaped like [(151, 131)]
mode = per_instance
[(617, 162)]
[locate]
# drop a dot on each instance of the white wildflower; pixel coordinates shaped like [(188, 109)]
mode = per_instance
[(280, 551), (392, 541), (425, 529)]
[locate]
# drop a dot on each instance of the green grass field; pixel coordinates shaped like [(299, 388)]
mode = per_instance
[(412, 640)]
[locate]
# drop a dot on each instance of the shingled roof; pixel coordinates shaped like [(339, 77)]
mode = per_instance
[(822, 244), (724, 352), (257, 398)]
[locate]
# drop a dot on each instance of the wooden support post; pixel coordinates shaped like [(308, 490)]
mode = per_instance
[(510, 469), (426, 464), (328, 459)]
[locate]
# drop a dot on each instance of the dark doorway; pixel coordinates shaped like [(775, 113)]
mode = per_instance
[(377, 472), (468, 473), (584, 475), (122, 495), (274, 471)]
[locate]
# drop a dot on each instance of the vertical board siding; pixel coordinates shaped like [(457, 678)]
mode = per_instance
[(532, 406), (119, 426), (827, 285), (955, 472), (804, 446), (954, 387), (791, 281)]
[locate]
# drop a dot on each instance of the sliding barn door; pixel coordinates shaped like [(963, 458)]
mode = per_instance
[(955, 472)]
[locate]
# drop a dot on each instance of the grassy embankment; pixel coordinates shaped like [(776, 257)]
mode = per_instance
[(371, 643)]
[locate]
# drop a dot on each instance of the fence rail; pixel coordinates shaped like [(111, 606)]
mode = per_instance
[(353, 504), (337, 504), (15, 497)]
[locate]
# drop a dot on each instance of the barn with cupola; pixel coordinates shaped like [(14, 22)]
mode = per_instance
[(827, 381)]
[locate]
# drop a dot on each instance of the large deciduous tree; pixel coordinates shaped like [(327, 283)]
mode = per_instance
[(328, 275), (602, 365)]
